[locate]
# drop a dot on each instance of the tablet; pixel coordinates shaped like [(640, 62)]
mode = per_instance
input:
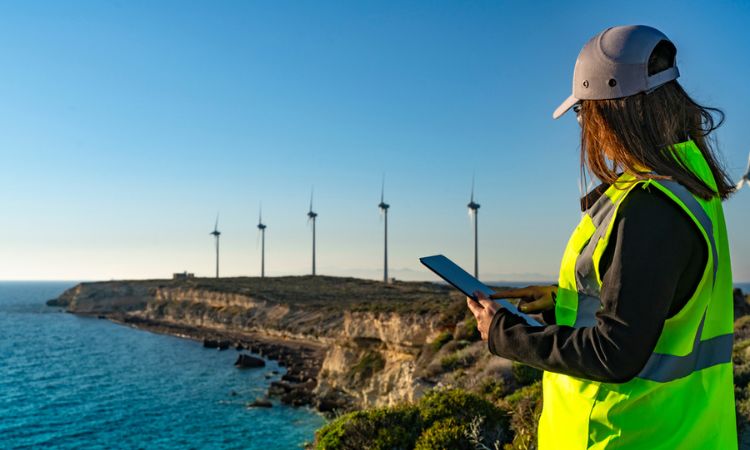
[(461, 280)]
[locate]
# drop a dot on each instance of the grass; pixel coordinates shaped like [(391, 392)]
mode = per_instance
[(326, 293)]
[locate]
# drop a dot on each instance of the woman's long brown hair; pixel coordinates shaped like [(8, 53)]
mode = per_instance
[(638, 131)]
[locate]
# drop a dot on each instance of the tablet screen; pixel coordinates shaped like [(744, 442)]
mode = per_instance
[(464, 282)]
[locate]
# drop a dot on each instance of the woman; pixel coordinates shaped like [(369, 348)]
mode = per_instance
[(637, 342)]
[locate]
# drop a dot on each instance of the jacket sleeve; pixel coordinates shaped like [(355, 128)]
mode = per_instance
[(655, 253)]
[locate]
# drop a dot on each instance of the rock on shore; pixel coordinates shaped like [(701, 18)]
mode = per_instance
[(249, 361)]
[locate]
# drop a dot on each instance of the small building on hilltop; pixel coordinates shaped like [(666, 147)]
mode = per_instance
[(183, 275)]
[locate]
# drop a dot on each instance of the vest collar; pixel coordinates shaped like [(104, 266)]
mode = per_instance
[(686, 150)]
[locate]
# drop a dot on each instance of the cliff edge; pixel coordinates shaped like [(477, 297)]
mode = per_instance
[(347, 343)]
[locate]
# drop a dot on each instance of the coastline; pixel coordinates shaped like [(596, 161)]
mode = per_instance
[(346, 344), (301, 359)]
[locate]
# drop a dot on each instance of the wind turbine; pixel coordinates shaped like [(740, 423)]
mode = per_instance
[(473, 213), (216, 233), (384, 210), (262, 230), (311, 215), (745, 178)]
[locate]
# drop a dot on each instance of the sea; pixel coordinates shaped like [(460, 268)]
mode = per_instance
[(79, 382)]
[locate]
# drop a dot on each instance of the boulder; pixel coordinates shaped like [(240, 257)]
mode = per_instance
[(331, 402), (294, 377), (260, 403), (248, 361), (297, 397), (279, 388)]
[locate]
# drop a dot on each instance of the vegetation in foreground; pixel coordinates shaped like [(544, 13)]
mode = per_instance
[(443, 419), (474, 410)]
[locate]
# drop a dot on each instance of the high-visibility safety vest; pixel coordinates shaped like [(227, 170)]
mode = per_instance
[(683, 398)]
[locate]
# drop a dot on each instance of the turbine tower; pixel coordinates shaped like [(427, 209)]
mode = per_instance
[(311, 215), (473, 213), (384, 211), (216, 233), (262, 230), (745, 178)]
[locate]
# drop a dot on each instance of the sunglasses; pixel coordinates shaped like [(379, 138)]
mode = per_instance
[(577, 110)]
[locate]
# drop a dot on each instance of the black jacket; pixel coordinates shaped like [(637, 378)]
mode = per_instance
[(650, 269)]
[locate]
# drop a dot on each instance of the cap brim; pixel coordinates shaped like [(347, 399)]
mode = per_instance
[(564, 107)]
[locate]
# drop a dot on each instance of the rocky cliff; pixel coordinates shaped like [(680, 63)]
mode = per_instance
[(348, 343)]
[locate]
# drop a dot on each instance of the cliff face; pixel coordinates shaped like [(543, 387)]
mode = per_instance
[(373, 357), (371, 335)]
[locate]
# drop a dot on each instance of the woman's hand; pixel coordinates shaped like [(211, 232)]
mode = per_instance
[(483, 309), (533, 298)]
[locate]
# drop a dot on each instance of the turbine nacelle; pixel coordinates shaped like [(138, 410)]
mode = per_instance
[(384, 206), (261, 226)]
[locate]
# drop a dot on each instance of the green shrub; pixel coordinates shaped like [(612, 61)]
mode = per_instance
[(449, 362), (445, 434), (453, 313), (370, 363), (442, 339), (742, 405), (525, 407), (741, 351), (441, 404), (457, 360), (525, 375), (493, 389), (467, 330), (440, 420), (742, 375), (394, 428)]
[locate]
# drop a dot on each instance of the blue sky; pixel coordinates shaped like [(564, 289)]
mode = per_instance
[(128, 125)]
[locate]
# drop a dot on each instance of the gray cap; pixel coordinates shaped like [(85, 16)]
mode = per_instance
[(614, 64)]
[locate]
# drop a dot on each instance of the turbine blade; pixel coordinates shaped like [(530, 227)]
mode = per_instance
[(216, 225), (382, 190), (311, 199), (747, 171), (472, 188)]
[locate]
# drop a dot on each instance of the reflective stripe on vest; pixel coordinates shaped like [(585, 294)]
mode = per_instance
[(663, 368)]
